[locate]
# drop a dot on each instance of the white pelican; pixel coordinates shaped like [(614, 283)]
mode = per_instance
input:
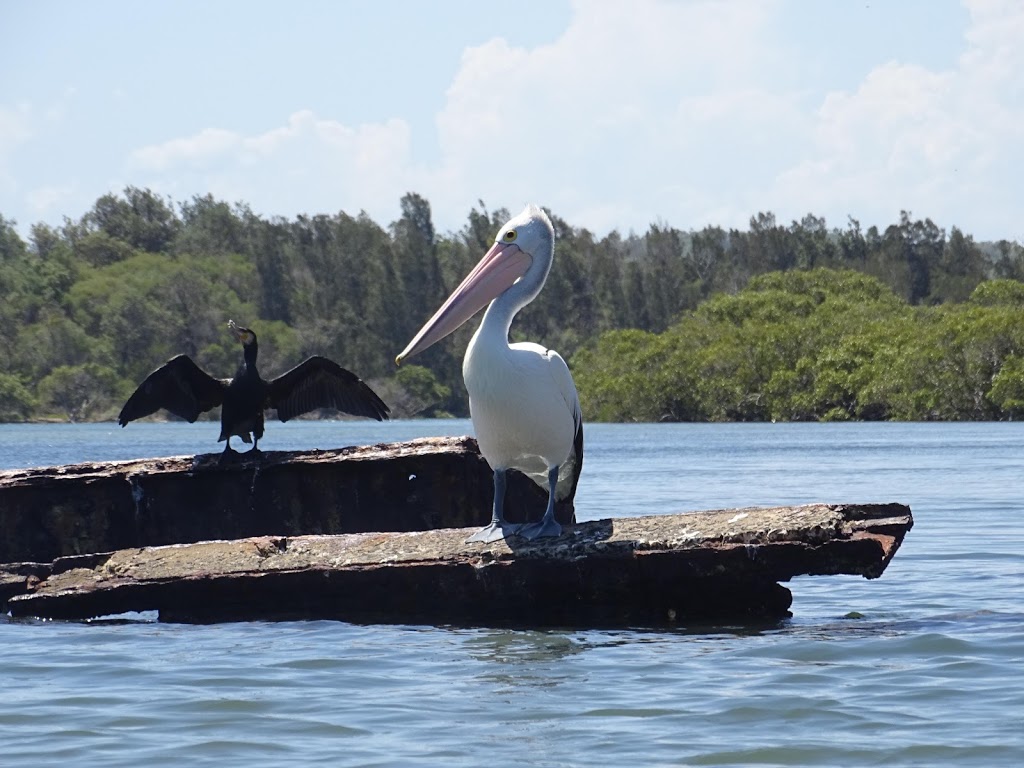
[(522, 399)]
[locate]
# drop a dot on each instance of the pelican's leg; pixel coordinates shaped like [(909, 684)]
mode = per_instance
[(547, 526), (498, 528)]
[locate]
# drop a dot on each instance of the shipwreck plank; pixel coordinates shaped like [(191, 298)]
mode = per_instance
[(640, 570)]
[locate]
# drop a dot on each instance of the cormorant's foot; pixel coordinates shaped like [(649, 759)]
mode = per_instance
[(229, 454), (493, 532), (546, 528)]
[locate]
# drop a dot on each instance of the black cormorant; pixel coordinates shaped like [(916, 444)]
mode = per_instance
[(186, 390)]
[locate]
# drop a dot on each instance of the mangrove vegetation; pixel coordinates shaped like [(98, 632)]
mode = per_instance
[(794, 321)]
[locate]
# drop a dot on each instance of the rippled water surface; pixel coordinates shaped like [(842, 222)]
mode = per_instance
[(923, 667)]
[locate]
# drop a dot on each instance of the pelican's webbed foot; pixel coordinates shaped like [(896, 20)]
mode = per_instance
[(499, 528), (494, 531), (546, 527)]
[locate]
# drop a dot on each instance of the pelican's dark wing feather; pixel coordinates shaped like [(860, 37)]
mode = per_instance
[(179, 386), (571, 467), (322, 383)]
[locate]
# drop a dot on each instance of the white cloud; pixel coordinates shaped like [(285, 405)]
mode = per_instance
[(15, 129), (308, 165), (47, 199), (940, 144), (617, 117), (610, 125), (15, 126), (196, 150), (693, 113)]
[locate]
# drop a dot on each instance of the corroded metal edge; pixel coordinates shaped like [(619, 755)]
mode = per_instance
[(210, 462), (720, 562)]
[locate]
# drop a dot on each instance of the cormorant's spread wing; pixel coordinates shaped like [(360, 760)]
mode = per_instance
[(180, 386), (322, 383)]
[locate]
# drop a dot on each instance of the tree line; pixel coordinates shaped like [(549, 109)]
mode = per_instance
[(90, 307), (815, 345)]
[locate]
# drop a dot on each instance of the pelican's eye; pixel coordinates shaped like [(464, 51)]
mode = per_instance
[(509, 236)]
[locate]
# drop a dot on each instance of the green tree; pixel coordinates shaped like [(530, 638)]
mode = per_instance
[(421, 394), (210, 226), (997, 293), (12, 247), (1009, 260), (16, 401), (633, 375), (151, 307), (79, 391), (1007, 392), (50, 342), (734, 324), (140, 218), (273, 249), (415, 249), (961, 268)]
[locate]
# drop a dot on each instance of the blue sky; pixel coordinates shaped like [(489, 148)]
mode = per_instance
[(613, 114)]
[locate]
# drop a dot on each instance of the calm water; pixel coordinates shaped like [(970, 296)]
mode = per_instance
[(931, 674)]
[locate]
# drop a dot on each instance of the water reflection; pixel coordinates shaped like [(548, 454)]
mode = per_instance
[(512, 659)]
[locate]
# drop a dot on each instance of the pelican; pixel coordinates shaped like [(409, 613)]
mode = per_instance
[(522, 399)]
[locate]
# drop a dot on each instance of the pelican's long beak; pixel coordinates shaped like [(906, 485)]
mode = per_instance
[(500, 267)]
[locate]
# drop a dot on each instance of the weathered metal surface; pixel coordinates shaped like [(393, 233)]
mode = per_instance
[(646, 570), (442, 482), (18, 578)]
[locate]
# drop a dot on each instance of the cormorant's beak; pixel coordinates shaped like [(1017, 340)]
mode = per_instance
[(500, 267), (242, 335)]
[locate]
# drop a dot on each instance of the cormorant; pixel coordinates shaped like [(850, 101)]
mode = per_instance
[(186, 390)]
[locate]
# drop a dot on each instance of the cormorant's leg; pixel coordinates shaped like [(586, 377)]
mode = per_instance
[(228, 454), (547, 526), (498, 528)]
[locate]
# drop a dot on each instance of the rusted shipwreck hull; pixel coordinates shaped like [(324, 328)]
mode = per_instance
[(440, 482), (630, 571)]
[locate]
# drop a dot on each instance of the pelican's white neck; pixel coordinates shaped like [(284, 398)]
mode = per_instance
[(500, 313), (535, 238)]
